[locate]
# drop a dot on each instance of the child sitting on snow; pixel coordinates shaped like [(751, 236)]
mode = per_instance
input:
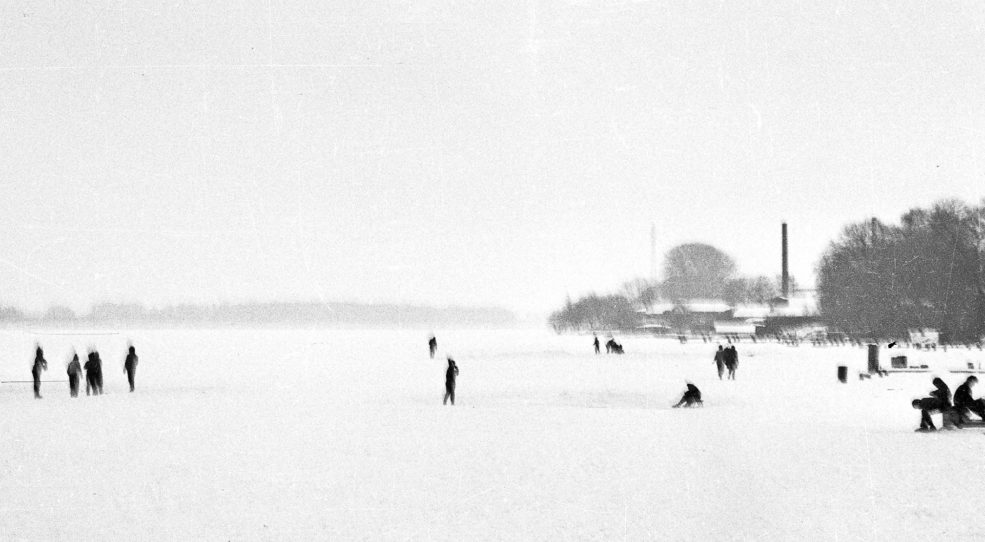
[(691, 397)]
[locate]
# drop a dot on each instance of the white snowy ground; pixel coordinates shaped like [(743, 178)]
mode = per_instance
[(341, 435)]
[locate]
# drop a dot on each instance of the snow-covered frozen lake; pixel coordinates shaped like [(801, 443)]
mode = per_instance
[(319, 434)]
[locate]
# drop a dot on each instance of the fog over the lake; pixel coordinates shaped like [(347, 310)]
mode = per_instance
[(488, 154)]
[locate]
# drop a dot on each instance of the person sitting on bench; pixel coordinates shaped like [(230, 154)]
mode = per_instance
[(963, 401), (927, 406), (691, 397)]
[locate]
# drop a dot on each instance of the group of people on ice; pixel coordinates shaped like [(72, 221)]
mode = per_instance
[(953, 414), (93, 372), (611, 346)]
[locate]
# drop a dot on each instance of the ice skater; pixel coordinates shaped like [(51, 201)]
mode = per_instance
[(74, 373), (130, 366), (596, 344), (691, 397), (433, 345), (720, 361), (964, 403), (450, 375), (40, 365)]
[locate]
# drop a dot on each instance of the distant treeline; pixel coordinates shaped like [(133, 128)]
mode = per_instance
[(272, 313), (691, 271), (881, 280)]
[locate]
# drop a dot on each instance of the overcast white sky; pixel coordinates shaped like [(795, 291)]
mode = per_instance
[(479, 153)]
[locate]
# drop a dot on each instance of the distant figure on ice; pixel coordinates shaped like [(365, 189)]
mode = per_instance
[(74, 373), (731, 361), (432, 345), (450, 375), (40, 364), (963, 401), (720, 361), (130, 366), (612, 347), (596, 344), (94, 374), (691, 397)]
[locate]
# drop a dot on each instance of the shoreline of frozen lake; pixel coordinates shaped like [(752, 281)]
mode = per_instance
[(275, 434)]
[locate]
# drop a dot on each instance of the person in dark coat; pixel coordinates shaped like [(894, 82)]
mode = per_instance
[(450, 375), (963, 401), (939, 401), (74, 373), (731, 361), (433, 345), (40, 365), (94, 374), (691, 397), (130, 366), (720, 361)]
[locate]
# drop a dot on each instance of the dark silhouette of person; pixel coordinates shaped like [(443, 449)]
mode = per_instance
[(596, 344), (433, 345), (731, 361), (74, 373), (963, 401), (40, 365), (94, 374), (720, 361), (927, 406), (130, 366), (691, 397), (939, 401), (450, 375)]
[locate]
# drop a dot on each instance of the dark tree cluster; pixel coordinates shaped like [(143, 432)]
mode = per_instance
[(881, 280)]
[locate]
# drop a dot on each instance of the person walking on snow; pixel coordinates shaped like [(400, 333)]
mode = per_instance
[(450, 375), (94, 374), (720, 361), (130, 366), (74, 373), (433, 345), (40, 365), (731, 361), (596, 343)]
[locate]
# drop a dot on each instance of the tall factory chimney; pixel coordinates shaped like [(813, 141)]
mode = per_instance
[(786, 274)]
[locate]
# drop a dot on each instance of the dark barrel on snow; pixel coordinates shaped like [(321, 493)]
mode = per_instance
[(873, 358), (842, 374)]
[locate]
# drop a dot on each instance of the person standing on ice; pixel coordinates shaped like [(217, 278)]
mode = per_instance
[(596, 344), (433, 345), (450, 375), (74, 373), (40, 364), (130, 366), (731, 361), (94, 376), (720, 361)]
